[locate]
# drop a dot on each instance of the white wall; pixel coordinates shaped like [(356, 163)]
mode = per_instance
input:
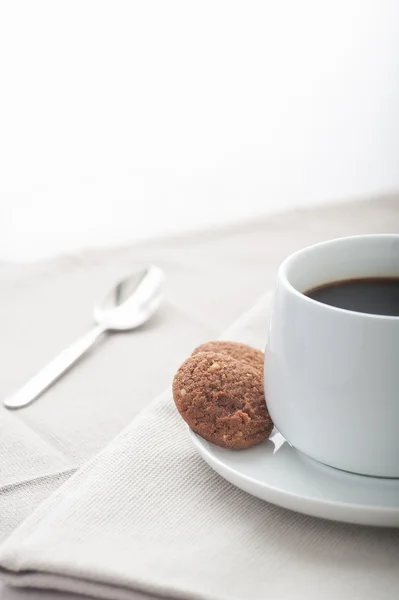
[(125, 119)]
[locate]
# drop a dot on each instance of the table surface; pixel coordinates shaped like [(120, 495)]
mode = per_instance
[(211, 279)]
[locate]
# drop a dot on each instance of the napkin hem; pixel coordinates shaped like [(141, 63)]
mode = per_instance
[(92, 589), (14, 484)]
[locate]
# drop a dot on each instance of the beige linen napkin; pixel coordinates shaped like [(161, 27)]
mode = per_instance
[(148, 514)]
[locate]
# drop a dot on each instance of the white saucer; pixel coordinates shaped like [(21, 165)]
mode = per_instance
[(275, 472)]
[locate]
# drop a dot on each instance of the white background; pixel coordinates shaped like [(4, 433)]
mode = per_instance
[(122, 120)]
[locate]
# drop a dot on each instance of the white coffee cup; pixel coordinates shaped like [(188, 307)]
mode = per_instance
[(332, 375)]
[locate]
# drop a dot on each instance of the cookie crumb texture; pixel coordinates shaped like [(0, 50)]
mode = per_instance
[(249, 355), (223, 400)]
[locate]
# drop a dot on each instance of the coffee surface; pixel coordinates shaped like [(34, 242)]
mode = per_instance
[(373, 295)]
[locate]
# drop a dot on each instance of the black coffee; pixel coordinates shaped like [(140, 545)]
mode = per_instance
[(374, 295)]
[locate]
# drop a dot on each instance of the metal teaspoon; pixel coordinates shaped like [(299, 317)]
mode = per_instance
[(127, 306)]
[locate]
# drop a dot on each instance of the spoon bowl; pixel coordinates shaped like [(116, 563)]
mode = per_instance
[(132, 301)]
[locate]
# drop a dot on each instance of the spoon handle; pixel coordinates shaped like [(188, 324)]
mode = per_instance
[(35, 386)]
